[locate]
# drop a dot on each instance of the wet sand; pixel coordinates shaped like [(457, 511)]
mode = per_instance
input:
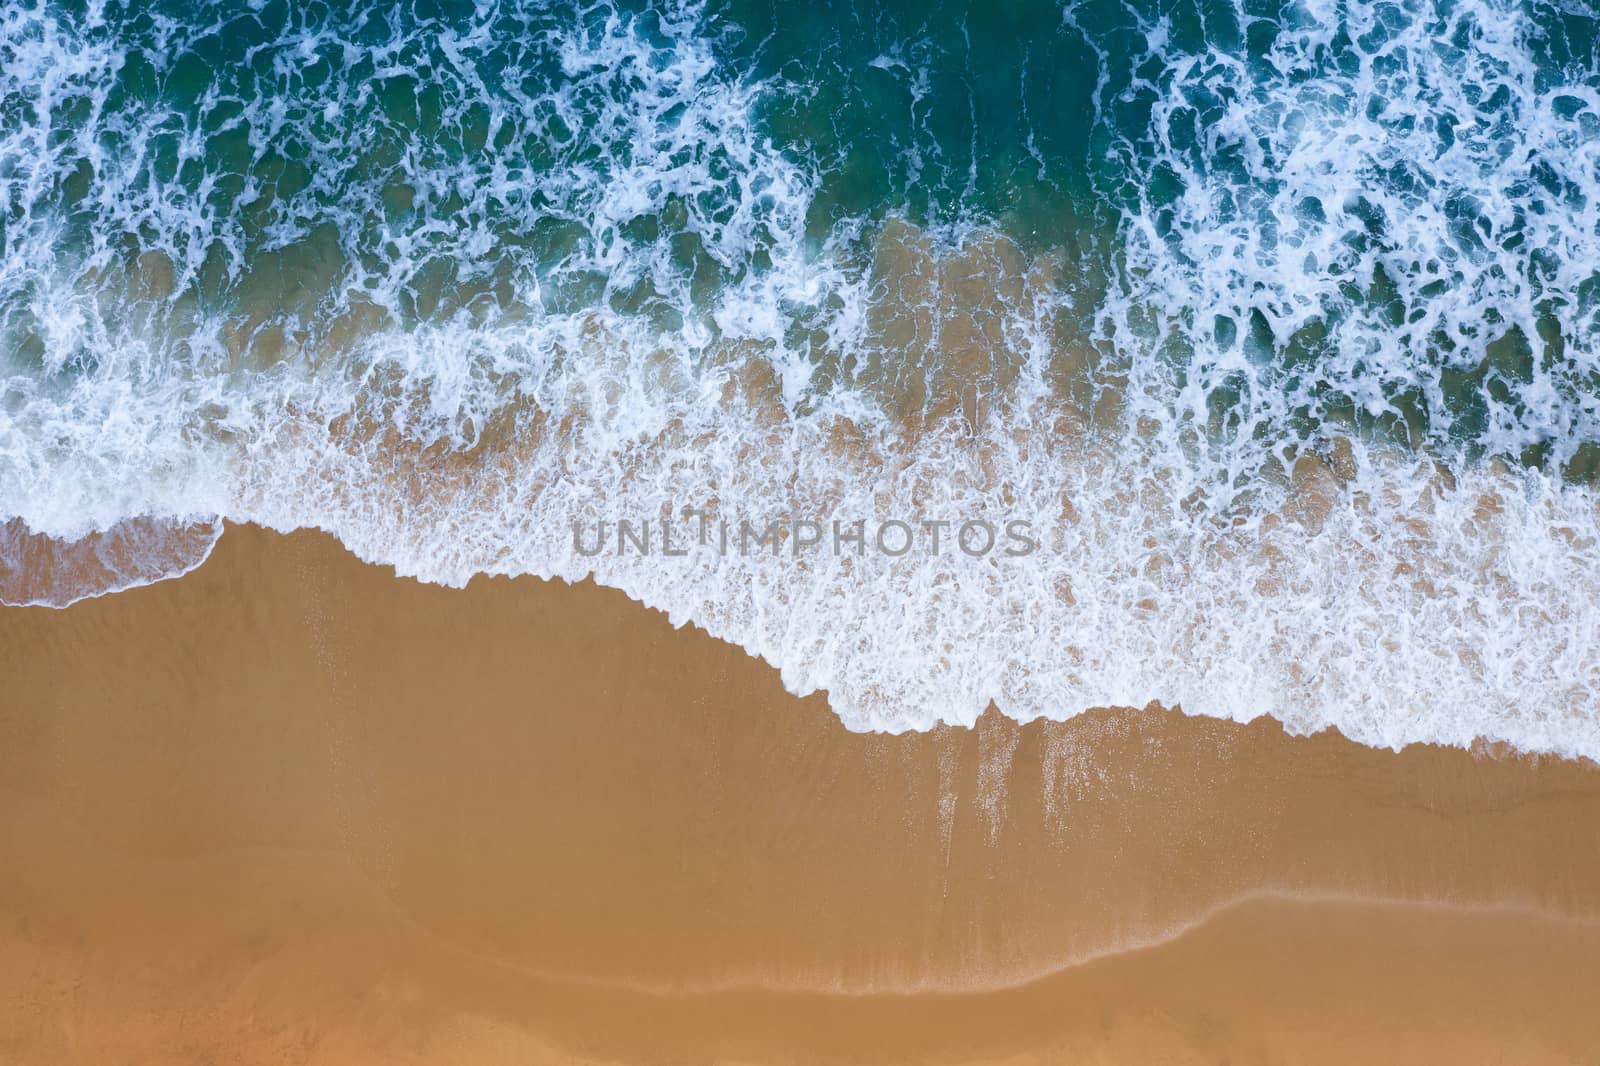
[(290, 808)]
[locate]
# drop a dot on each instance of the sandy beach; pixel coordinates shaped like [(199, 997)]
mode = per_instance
[(746, 533), (290, 808)]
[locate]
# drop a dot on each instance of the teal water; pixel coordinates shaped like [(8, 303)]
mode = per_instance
[(283, 155), (1277, 318)]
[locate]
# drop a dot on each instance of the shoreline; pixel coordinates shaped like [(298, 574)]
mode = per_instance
[(1480, 745), (508, 815)]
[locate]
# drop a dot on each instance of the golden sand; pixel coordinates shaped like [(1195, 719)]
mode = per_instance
[(290, 809)]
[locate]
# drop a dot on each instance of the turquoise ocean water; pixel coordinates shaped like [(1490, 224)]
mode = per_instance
[(1274, 321)]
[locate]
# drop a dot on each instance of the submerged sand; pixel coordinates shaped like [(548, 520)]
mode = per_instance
[(290, 808)]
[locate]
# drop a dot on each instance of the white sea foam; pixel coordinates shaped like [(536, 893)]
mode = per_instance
[(1404, 176), (42, 571), (724, 359)]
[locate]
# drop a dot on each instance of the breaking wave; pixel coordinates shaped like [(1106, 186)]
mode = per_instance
[(1276, 326)]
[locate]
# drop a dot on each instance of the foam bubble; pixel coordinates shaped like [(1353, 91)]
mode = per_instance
[(42, 571), (1384, 213), (447, 291)]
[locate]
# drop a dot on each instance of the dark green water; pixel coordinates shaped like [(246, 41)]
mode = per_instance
[(442, 276)]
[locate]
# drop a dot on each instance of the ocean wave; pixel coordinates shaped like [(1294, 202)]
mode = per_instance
[(42, 571), (452, 288)]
